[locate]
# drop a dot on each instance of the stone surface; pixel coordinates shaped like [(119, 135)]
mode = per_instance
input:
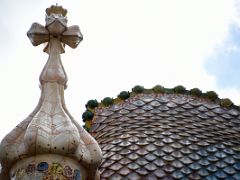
[(50, 129), (168, 136)]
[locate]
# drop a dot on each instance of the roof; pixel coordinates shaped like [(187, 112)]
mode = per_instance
[(168, 136)]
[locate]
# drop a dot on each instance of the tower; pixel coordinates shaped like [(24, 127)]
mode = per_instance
[(49, 143)]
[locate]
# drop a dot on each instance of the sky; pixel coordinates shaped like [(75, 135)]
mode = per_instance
[(194, 43)]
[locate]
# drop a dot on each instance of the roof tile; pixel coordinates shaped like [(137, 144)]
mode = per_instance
[(167, 136)]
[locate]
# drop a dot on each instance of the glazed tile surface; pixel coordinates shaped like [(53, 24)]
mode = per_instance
[(168, 136)]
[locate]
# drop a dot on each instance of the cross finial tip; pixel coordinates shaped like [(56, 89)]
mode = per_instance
[(56, 10)]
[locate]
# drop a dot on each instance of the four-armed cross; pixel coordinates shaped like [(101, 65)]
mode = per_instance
[(56, 34)]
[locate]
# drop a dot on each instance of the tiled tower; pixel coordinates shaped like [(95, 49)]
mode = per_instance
[(49, 143)]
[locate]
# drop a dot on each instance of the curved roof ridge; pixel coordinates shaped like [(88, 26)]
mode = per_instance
[(123, 96)]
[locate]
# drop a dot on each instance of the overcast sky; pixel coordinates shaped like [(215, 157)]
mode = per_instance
[(195, 43)]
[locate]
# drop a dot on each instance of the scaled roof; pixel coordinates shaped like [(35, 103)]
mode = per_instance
[(168, 136)]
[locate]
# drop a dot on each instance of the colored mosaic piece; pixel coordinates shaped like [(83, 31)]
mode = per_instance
[(44, 171), (31, 168), (43, 166), (77, 175), (67, 171)]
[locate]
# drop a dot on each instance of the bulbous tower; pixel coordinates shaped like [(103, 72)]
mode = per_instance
[(49, 143)]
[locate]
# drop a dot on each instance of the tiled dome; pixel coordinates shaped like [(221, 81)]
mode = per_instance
[(168, 136)]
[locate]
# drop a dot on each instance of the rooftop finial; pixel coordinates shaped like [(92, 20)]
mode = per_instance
[(56, 34), (56, 10), (49, 143)]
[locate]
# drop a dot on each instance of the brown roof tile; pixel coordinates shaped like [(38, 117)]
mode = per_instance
[(168, 136)]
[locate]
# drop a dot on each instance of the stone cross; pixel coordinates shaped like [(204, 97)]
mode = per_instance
[(56, 34)]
